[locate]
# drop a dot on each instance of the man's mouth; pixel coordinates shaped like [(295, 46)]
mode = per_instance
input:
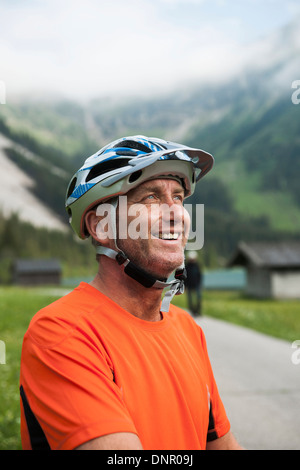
[(167, 236)]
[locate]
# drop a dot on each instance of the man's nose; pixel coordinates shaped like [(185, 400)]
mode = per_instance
[(171, 212)]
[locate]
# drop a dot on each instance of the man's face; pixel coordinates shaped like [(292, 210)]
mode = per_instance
[(157, 226)]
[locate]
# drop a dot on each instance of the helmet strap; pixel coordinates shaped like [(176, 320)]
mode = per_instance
[(176, 286)]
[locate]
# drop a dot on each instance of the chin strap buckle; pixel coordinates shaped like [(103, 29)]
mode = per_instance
[(121, 257), (181, 276)]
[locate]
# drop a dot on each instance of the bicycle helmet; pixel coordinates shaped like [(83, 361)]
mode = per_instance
[(123, 165)]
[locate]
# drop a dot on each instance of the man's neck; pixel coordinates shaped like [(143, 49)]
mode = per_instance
[(140, 301)]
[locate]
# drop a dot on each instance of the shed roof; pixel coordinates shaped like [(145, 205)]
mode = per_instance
[(267, 254), (30, 266)]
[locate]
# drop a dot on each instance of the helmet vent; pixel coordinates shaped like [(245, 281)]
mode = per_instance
[(105, 167), (160, 145), (127, 152), (132, 144), (134, 176), (71, 186)]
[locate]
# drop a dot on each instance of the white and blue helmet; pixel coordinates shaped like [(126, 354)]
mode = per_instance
[(126, 163)]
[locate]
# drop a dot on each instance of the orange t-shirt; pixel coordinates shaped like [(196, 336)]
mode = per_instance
[(90, 368)]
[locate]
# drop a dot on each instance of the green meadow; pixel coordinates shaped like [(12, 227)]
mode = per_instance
[(17, 306)]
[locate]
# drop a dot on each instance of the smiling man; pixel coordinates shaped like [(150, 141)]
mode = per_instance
[(111, 365), (163, 224)]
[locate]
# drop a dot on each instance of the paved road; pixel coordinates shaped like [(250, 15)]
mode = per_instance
[(258, 383)]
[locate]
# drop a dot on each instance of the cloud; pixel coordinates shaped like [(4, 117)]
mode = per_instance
[(83, 49), (184, 2)]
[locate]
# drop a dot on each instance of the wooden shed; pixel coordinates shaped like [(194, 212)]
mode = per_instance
[(273, 268), (33, 272)]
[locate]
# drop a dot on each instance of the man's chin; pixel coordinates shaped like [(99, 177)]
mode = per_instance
[(165, 268), (160, 264)]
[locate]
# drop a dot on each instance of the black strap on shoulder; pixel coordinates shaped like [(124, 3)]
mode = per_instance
[(37, 437), (211, 433)]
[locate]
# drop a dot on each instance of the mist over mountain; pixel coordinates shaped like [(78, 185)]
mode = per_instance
[(248, 123)]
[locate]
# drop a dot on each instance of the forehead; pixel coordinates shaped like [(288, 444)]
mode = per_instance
[(158, 184)]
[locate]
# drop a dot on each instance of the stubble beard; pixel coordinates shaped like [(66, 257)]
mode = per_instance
[(158, 263)]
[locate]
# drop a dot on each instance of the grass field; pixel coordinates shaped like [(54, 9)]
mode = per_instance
[(17, 306)]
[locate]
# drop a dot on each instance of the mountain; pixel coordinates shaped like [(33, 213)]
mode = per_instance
[(17, 190), (257, 149), (249, 124)]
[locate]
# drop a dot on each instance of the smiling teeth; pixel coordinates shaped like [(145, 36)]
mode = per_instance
[(169, 236)]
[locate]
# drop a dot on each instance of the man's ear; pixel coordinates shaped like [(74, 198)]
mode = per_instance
[(99, 227)]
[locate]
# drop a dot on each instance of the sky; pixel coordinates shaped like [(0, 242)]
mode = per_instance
[(84, 49)]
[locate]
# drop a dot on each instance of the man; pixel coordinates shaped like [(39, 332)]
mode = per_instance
[(108, 366)]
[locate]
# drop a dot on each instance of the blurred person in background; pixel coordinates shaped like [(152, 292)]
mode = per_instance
[(112, 365), (193, 283)]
